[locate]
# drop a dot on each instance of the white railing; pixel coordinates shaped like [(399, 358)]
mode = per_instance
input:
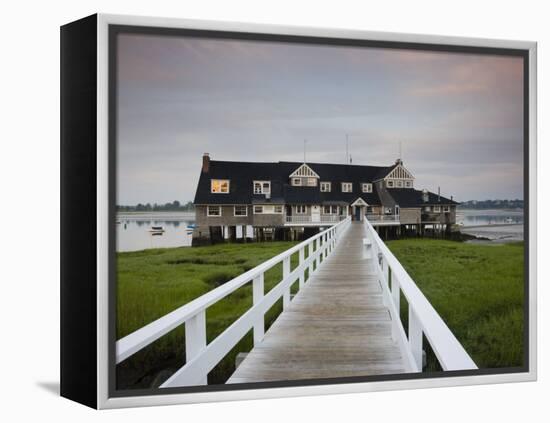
[(202, 357), (423, 319), (383, 218), (323, 218)]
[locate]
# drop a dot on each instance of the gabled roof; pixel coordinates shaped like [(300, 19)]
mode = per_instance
[(242, 175), (410, 197), (304, 170)]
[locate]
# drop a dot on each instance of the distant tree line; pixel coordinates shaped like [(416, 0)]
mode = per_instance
[(492, 204), (173, 206)]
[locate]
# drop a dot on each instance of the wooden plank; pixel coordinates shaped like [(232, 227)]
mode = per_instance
[(336, 326)]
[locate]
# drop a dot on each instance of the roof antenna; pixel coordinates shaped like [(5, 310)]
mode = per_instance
[(347, 149), (400, 151), (305, 141)]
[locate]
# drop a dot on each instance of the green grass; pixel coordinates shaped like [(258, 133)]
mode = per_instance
[(476, 289), (152, 283)]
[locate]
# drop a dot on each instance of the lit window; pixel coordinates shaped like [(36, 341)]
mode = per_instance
[(366, 187), (296, 182), (300, 209), (346, 187), (219, 186), (214, 211), (427, 208), (390, 184), (240, 211), (258, 209), (325, 186), (262, 187)]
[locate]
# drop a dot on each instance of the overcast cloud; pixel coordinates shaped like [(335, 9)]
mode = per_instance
[(459, 117)]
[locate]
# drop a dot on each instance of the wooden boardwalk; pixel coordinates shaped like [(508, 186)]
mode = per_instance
[(336, 326)]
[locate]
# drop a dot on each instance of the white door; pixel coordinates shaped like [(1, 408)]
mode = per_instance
[(315, 213)]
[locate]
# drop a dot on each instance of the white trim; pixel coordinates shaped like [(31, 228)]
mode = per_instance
[(304, 171), (103, 400), (262, 191), (366, 185), (296, 182), (350, 184), (240, 215), (359, 202), (325, 183), (300, 212), (213, 215)]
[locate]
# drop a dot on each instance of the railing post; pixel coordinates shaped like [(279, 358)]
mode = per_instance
[(286, 272), (310, 254), (303, 272), (317, 252), (325, 247), (257, 295), (195, 339), (415, 338)]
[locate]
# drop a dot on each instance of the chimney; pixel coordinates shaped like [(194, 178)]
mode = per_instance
[(205, 163), (439, 194), (425, 196), (451, 198)]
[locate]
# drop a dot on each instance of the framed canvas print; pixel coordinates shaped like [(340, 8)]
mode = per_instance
[(254, 211)]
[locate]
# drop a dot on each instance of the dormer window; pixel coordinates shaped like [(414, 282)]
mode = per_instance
[(366, 187), (311, 182), (325, 186), (262, 187), (408, 184), (297, 182), (219, 186), (347, 187), (389, 184)]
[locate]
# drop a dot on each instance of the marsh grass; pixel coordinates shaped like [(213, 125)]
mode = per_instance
[(152, 283), (478, 290)]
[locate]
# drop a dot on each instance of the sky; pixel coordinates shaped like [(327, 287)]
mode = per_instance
[(457, 117)]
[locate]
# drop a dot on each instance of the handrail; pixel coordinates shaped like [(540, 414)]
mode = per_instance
[(200, 357), (423, 318)]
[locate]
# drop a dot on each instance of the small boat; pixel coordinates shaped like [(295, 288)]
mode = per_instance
[(156, 229), (191, 226), (509, 220)]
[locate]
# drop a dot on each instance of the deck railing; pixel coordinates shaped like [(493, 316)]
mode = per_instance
[(423, 319), (323, 218), (202, 357), (374, 218)]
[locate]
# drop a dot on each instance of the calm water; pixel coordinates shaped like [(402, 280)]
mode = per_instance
[(134, 230), (496, 225)]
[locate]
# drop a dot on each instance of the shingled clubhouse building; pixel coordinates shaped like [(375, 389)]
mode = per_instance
[(287, 200)]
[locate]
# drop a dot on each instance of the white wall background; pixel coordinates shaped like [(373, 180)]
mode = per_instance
[(29, 196)]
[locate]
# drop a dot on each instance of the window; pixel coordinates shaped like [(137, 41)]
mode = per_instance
[(399, 184), (213, 210), (325, 186), (446, 209), (240, 211), (346, 187), (389, 184), (437, 209), (427, 208), (258, 209), (278, 209), (268, 209), (366, 187), (408, 184), (300, 209), (311, 182), (330, 209), (219, 186), (388, 210), (262, 187), (297, 182)]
